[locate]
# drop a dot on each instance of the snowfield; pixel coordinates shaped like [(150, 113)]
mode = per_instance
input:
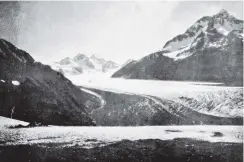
[(209, 98), (97, 136), (175, 54), (6, 122)]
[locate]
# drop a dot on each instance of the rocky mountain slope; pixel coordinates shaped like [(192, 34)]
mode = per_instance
[(84, 64), (33, 92), (210, 50)]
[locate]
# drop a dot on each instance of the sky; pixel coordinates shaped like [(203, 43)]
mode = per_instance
[(117, 31)]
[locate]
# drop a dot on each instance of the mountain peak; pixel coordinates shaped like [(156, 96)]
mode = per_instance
[(65, 61), (66, 58), (222, 21), (80, 56), (95, 56), (223, 14), (223, 11)]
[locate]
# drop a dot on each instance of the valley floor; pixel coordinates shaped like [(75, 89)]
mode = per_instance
[(88, 137), (109, 144)]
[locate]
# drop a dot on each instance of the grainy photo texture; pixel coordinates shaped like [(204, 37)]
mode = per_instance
[(121, 81)]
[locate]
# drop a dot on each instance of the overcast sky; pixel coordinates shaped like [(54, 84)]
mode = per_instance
[(118, 31)]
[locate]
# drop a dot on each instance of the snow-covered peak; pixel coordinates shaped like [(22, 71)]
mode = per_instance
[(224, 15), (65, 61), (109, 65), (221, 23), (102, 64), (97, 59), (183, 40), (226, 22), (95, 56), (79, 57), (81, 63), (223, 11)]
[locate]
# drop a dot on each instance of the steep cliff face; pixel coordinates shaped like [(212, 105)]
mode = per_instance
[(210, 50), (33, 92)]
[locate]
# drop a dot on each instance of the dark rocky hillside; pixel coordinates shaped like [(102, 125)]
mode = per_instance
[(42, 96)]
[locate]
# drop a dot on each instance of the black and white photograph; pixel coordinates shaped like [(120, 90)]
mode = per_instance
[(121, 81)]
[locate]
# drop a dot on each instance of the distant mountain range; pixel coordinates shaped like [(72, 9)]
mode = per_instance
[(210, 50), (84, 64)]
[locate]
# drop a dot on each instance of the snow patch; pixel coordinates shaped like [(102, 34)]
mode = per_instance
[(3, 81), (223, 31), (175, 54), (15, 82), (5, 122), (214, 44), (177, 45)]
